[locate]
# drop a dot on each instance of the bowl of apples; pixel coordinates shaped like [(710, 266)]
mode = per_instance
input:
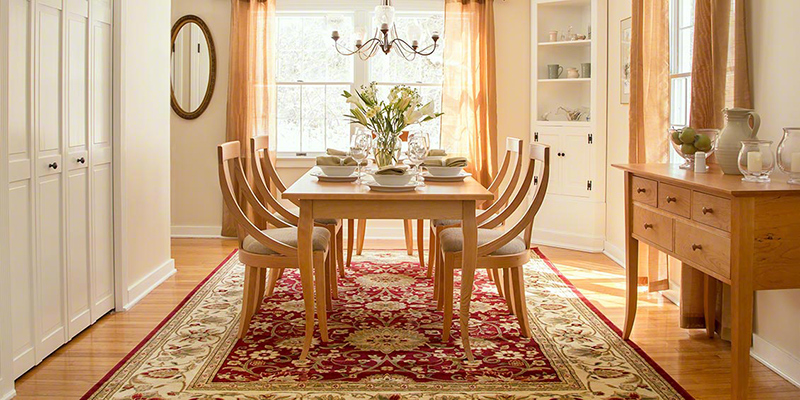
[(688, 141)]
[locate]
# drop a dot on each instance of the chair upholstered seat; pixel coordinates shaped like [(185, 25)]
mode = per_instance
[(452, 240), (288, 236), (321, 221), (450, 222)]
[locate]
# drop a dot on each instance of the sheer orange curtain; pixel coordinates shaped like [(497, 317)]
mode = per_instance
[(251, 81), (469, 96), (649, 110)]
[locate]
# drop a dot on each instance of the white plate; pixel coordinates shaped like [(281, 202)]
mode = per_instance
[(325, 178), (444, 171), (381, 188), (458, 178)]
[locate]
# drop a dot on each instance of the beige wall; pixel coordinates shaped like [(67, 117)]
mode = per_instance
[(775, 55)]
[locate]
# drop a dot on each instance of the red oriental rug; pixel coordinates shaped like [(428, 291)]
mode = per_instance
[(385, 342)]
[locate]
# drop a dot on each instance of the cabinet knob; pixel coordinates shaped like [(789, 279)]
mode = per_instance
[(696, 247), (81, 160), (648, 226), (53, 165), (707, 210), (641, 190), (671, 199)]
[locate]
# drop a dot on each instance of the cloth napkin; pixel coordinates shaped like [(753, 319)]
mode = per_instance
[(349, 162), (432, 162), (455, 162), (392, 170), (437, 153), (329, 161), (334, 152)]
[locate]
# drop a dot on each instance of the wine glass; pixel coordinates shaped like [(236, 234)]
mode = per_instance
[(360, 144), (419, 144)]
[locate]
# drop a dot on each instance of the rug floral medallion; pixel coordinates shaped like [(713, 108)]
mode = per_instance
[(385, 342)]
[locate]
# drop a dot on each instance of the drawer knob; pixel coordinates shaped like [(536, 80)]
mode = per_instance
[(671, 199), (648, 226), (696, 247), (707, 210), (641, 190)]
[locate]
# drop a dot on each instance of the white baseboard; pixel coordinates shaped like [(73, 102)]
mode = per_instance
[(615, 253), (179, 231), (570, 241), (144, 286), (9, 395), (778, 360)]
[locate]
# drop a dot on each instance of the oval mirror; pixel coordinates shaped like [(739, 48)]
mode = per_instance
[(194, 67)]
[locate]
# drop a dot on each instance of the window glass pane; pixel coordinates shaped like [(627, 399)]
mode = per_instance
[(685, 50), (306, 52), (394, 68), (288, 120), (686, 17), (337, 128), (313, 115)]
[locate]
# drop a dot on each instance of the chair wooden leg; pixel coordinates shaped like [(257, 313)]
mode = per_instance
[(408, 230), (362, 231), (340, 249), (518, 282), (272, 281), (431, 251), (421, 241), (332, 251), (319, 277), (495, 275), (331, 289), (351, 236), (250, 275), (508, 291), (447, 288), (261, 280), (439, 281)]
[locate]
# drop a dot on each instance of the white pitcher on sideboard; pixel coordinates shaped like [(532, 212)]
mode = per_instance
[(737, 128)]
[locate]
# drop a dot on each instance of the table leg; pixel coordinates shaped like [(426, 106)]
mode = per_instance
[(741, 337), (631, 262), (710, 304), (305, 229), (470, 260)]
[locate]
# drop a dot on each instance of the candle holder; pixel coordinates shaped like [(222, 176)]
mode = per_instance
[(756, 160), (789, 154)]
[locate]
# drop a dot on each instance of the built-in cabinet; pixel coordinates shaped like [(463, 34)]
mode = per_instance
[(573, 214), (60, 194)]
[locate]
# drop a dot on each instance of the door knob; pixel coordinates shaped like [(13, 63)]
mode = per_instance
[(53, 165), (81, 160), (671, 199)]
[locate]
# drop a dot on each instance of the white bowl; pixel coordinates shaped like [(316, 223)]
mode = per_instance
[(337, 170), (392, 180), (444, 171)]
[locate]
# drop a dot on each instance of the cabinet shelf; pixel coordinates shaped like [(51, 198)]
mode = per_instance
[(567, 43), (565, 80), (564, 2), (564, 123)]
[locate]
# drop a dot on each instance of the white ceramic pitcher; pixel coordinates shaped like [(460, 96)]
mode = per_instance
[(737, 128)]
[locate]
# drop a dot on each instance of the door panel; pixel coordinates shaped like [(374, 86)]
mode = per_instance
[(576, 164), (22, 276), (553, 139), (103, 241), (78, 266), (50, 282)]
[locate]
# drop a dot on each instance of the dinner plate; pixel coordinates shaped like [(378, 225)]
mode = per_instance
[(393, 189), (325, 178), (458, 178)]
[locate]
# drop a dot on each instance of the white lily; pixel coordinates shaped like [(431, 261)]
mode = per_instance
[(354, 100), (428, 110), (412, 116)]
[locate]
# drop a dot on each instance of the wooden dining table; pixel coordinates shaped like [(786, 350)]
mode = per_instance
[(349, 200)]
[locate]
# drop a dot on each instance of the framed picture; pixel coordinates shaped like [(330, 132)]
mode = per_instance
[(625, 54)]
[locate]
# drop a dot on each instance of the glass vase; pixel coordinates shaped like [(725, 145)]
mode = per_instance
[(387, 149), (789, 154), (756, 160)]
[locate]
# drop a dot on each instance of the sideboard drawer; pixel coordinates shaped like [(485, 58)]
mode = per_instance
[(711, 210), (703, 249), (674, 199), (644, 191), (652, 227)]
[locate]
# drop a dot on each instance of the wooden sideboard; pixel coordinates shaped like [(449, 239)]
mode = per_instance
[(744, 234)]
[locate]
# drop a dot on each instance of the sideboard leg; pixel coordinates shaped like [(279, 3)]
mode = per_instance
[(631, 262)]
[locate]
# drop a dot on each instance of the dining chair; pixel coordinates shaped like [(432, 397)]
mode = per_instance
[(502, 250), (264, 173), (273, 249), (513, 156)]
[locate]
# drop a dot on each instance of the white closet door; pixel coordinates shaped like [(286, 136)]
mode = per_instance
[(101, 151), (50, 284), (20, 155), (552, 138), (576, 161), (77, 183)]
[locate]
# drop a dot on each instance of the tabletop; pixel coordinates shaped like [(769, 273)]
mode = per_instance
[(309, 188), (714, 180)]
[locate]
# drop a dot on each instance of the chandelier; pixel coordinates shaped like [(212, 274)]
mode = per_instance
[(385, 38)]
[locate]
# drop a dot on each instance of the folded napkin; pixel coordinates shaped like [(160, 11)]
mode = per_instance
[(349, 162), (392, 170), (437, 153), (432, 162), (334, 152), (455, 162), (329, 161)]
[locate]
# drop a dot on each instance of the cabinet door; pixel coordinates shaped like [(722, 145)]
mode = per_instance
[(50, 282), (102, 216), (77, 182), (576, 164), (554, 140)]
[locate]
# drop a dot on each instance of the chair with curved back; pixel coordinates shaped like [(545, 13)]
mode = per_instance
[(273, 249), (265, 173), (513, 156), (499, 249)]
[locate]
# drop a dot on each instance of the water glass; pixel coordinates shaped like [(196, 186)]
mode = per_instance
[(756, 160), (419, 144), (789, 154), (360, 145)]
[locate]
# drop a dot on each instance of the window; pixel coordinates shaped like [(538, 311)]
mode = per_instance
[(311, 75), (681, 49)]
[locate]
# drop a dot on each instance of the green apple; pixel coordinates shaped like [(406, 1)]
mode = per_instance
[(676, 136), (702, 142), (688, 149), (687, 136)]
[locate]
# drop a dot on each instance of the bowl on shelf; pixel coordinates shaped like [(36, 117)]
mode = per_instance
[(444, 171), (688, 141), (337, 170)]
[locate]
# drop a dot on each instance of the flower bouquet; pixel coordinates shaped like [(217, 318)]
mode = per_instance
[(388, 118)]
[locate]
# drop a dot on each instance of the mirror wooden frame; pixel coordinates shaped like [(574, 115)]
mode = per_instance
[(212, 70)]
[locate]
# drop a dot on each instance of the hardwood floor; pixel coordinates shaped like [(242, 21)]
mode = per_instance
[(699, 364)]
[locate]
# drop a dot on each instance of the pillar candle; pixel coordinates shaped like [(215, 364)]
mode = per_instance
[(795, 162), (754, 163)]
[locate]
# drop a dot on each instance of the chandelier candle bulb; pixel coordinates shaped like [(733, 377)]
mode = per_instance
[(795, 162), (754, 163)]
